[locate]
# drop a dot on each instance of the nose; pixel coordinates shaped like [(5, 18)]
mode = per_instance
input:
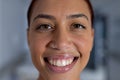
[(61, 40)]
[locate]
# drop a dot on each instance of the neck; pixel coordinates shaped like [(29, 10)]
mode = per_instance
[(41, 78)]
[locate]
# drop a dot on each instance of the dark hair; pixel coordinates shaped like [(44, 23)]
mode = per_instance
[(91, 11), (30, 10)]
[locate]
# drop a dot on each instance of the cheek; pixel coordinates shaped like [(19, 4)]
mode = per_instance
[(37, 49), (84, 46), (37, 46)]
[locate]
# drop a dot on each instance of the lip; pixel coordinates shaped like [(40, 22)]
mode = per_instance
[(61, 69)]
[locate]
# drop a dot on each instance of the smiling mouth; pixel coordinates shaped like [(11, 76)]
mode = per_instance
[(60, 64)]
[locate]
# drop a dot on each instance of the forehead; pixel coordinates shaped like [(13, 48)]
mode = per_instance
[(60, 8)]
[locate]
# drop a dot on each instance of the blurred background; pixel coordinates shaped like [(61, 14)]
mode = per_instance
[(15, 60)]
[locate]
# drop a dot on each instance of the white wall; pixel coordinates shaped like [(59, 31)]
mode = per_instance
[(111, 9), (0, 30), (12, 30)]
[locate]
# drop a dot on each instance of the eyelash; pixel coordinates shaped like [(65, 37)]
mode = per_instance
[(78, 25), (49, 27), (45, 27)]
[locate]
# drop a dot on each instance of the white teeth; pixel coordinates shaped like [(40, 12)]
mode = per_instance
[(63, 62), (58, 63)]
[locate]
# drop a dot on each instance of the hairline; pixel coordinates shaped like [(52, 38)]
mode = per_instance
[(30, 10)]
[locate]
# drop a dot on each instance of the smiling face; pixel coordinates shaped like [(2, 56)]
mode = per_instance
[(60, 38)]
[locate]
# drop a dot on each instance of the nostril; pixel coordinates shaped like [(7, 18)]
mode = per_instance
[(52, 45), (61, 39), (60, 43)]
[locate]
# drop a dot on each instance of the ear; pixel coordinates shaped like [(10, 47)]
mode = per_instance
[(92, 35), (28, 38), (92, 30)]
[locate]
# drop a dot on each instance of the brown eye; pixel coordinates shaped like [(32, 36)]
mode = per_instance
[(78, 26), (45, 28)]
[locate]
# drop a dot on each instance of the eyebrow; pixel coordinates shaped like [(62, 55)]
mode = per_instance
[(46, 16), (77, 16)]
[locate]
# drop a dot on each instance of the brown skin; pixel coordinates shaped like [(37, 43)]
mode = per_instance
[(62, 31)]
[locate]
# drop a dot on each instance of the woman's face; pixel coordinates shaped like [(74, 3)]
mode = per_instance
[(60, 38)]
